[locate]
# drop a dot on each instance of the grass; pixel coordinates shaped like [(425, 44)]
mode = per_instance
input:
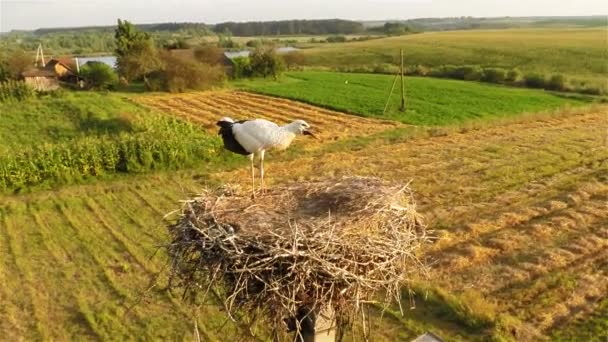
[(577, 53), (75, 260), (429, 101), (81, 136)]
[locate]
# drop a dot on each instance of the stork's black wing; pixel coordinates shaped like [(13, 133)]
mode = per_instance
[(230, 142)]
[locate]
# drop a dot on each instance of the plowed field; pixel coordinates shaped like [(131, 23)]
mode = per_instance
[(207, 108)]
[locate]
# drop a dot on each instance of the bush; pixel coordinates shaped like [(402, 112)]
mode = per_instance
[(179, 44), (265, 62), (99, 75), (209, 55), (179, 74), (493, 75), (18, 62), (12, 90), (534, 80), (513, 75), (254, 43), (418, 70), (556, 82), (294, 60), (336, 39), (241, 67), (472, 73)]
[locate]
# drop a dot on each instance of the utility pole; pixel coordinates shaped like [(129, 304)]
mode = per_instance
[(402, 85), (40, 56)]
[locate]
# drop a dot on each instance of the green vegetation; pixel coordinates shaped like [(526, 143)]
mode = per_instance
[(15, 91), (429, 101), (578, 54), (74, 137), (99, 75)]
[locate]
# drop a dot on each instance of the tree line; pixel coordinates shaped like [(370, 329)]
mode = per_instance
[(290, 27)]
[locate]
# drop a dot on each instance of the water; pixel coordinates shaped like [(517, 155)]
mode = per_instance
[(245, 53), (111, 60)]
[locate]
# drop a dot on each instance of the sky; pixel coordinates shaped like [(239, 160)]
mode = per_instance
[(33, 14)]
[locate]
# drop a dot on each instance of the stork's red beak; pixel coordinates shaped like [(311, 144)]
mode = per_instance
[(308, 132)]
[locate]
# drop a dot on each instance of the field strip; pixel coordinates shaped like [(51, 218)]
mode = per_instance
[(206, 108)]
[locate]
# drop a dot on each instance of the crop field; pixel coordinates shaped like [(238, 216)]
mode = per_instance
[(366, 94), (520, 209), (79, 137), (206, 108), (576, 53)]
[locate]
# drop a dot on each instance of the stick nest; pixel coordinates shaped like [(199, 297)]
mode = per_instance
[(324, 245)]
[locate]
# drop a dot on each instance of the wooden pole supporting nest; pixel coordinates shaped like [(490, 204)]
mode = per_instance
[(305, 254)]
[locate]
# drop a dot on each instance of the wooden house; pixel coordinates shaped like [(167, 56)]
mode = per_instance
[(41, 79), (62, 67)]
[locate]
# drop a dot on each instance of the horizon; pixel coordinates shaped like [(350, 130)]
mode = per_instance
[(276, 20), (29, 15)]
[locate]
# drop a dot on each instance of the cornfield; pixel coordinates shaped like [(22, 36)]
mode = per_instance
[(160, 143), (12, 90)]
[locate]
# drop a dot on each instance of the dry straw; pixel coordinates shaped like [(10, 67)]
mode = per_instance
[(332, 245)]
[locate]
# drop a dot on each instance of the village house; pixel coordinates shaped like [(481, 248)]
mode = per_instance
[(48, 77), (41, 79)]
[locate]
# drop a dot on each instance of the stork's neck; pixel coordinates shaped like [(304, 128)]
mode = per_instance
[(293, 128), (283, 136)]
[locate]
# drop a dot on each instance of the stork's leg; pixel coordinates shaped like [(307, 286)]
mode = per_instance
[(251, 157), (262, 170)]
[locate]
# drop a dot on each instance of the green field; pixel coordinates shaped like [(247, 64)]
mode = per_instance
[(429, 101), (77, 137), (579, 54)]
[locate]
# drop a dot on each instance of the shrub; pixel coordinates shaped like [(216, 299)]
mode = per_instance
[(12, 90), (241, 67), (444, 71), (493, 75), (472, 73), (534, 80), (513, 75), (179, 74), (99, 75), (419, 70), (209, 55), (336, 39), (265, 62), (178, 44), (386, 69), (556, 82), (294, 60), (18, 62), (254, 43)]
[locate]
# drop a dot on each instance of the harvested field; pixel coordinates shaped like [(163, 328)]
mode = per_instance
[(205, 108), (520, 208)]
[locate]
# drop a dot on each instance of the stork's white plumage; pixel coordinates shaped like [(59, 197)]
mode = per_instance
[(255, 137)]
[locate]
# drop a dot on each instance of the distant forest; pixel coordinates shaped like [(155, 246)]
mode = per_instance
[(290, 27), (253, 28), (100, 39)]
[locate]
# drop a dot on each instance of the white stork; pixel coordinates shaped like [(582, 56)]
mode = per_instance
[(255, 137)]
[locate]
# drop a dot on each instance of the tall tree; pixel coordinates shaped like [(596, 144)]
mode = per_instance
[(126, 36), (137, 56)]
